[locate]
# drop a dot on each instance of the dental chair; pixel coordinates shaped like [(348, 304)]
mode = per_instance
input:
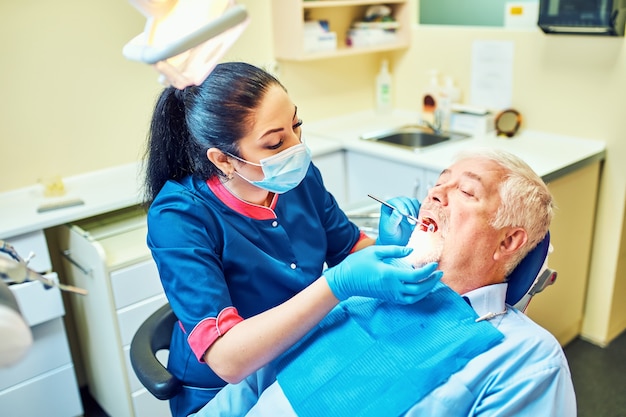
[(154, 335), (530, 277)]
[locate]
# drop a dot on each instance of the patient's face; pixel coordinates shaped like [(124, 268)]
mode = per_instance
[(462, 203)]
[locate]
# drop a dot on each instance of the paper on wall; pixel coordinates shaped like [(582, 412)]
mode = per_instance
[(492, 74)]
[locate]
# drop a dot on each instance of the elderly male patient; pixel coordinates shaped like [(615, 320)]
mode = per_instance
[(459, 351)]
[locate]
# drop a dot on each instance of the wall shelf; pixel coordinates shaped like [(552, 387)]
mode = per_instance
[(289, 17)]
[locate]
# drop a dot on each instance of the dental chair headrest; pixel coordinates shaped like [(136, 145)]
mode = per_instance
[(522, 281)]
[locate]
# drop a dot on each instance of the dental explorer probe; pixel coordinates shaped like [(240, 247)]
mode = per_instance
[(383, 202), (426, 226)]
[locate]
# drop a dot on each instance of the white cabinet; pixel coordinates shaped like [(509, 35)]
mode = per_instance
[(108, 256), (333, 168), (289, 17), (385, 179), (43, 382)]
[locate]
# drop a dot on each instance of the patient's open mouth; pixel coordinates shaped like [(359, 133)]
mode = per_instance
[(428, 225)]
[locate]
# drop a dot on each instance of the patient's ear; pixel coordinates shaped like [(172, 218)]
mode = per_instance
[(514, 239)]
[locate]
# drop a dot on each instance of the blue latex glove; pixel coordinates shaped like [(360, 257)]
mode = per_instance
[(394, 228), (371, 272)]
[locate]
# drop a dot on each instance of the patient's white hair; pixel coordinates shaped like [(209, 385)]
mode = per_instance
[(525, 199)]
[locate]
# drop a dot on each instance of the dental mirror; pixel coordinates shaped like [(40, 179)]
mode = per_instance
[(508, 122)]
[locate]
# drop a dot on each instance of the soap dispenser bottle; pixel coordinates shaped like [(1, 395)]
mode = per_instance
[(430, 99), (383, 89), (449, 95)]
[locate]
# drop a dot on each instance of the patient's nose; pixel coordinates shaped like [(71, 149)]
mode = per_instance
[(438, 194)]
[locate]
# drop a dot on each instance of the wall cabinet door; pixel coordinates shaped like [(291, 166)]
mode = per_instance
[(333, 169), (384, 179)]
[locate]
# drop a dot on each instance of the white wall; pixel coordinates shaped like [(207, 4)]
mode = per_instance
[(70, 102)]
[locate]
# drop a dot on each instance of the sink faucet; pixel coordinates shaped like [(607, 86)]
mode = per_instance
[(436, 126)]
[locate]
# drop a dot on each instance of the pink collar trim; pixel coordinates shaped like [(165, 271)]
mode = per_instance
[(242, 207)]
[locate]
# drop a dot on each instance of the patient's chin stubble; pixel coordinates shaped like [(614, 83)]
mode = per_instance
[(427, 247)]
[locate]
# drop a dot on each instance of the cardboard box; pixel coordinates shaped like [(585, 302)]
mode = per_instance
[(318, 42), (472, 124), (318, 37), (370, 37)]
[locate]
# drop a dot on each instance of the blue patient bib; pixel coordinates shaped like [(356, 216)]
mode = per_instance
[(374, 358)]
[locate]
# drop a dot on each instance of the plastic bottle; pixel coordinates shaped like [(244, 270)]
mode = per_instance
[(430, 99), (383, 89), (449, 95)]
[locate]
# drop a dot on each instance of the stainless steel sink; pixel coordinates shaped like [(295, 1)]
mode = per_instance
[(412, 136)]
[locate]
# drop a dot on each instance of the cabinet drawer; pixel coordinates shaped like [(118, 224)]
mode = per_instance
[(133, 381), (135, 283), (49, 350), (37, 303), (132, 317), (34, 242), (135, 384), (146, 405), (55, 394)]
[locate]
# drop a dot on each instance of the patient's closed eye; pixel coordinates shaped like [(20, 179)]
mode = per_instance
[(467, 192)]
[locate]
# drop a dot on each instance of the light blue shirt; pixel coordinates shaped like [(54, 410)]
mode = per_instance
[(525, 375)]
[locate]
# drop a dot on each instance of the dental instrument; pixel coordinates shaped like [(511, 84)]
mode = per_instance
[(383, 202), (16, 271), (426, 225)]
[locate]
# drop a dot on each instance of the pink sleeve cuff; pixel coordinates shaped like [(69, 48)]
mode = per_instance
[(362, 236), (208, 330)]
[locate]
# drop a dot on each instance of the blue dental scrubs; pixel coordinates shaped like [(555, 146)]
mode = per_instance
[(222, 260)]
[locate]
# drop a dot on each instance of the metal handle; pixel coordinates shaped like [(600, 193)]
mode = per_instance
[(417, 188), (67, 254)]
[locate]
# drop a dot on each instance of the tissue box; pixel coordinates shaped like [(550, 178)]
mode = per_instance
[(370, 37), (318, 38), (472, 124), (320, 42)]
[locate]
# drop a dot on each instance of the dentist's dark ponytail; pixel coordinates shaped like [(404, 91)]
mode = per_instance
[(167, 156)]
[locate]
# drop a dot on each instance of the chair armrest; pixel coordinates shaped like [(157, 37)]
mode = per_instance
[(153, 335)]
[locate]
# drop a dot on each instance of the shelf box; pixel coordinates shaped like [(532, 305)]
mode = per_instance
[(320, 42), (371, 37)]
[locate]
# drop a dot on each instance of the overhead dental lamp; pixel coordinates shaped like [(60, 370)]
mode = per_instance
[(185, 39)]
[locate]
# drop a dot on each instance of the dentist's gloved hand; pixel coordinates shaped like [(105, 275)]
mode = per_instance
[(394, 228), (371, 272)]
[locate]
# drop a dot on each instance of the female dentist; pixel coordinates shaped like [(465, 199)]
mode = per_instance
[(240, 226)]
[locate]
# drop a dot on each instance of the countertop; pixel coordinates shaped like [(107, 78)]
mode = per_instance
[(550, 155), (101, 191)]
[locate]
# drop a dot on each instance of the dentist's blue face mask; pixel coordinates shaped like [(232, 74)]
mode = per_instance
[(283, 171)]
